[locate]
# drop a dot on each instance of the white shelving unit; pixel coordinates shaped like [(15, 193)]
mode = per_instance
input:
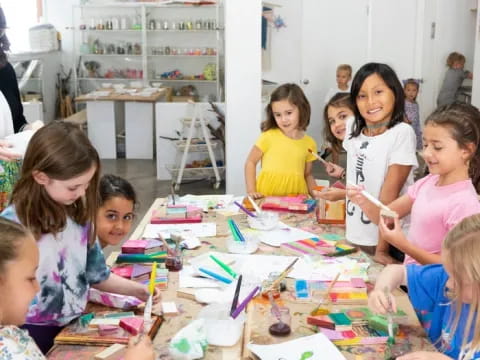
[(149, 43)]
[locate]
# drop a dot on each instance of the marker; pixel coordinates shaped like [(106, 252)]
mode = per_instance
[(371, 197), (246, 211), (224, 266), (245, 302), (215, 275)]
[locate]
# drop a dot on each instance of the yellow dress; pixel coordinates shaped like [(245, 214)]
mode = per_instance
[(283, 163)]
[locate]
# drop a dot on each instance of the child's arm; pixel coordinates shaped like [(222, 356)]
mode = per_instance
[(141, 350), (394, 180), (424, 355), (391, 277), (118, 285), (331, 194), (251, 172), (396, 238), (309, 178)]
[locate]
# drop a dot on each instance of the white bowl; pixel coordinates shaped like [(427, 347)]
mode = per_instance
[(249, 246), (156, 84), (119, 86), (136, 84), (268, 220), (106, 85)]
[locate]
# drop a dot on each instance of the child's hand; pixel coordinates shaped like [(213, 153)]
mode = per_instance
[(354, 193), (391, 231), (255, 195), (331, 194), (143, 293), (334, 170), (379, 302), (384, 258), (143, 350), (424, 355), (5, 153)]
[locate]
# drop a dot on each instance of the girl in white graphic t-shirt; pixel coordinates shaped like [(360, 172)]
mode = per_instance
[(380, 151)]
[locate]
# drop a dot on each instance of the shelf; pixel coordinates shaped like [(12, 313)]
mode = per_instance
[(110, 79), (185, 56), (113, 31), (181, 144), (146, 4), (187, 81), (110, 55), (30, 79), (195, 173), (184, 31)]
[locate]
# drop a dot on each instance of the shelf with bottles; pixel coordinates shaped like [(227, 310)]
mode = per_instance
[(192, 51)]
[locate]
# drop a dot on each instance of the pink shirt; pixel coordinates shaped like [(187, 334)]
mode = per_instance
[(437, 209)]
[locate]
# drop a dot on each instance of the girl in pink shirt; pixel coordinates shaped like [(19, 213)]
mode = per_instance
[(443, 198)]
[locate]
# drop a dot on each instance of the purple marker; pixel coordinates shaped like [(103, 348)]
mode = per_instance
[(246, 211), (244, 303)]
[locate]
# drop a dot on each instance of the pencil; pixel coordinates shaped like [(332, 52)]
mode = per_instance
[(322, 160), (246, 211), (235, 296), (224, 266)]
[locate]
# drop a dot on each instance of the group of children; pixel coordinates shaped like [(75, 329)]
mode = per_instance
[(49, 253), (369, 123)]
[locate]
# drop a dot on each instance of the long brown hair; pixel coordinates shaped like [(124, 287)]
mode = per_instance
[(462, 122), (12, 234), (293, 94), (463, 246), (61, 151), (338, 100)]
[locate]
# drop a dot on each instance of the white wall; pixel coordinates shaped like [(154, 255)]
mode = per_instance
[(242, 86), (286, 43), (476, 67)]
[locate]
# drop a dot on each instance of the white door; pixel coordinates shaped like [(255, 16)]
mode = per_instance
[(355, 32), (328, 40)]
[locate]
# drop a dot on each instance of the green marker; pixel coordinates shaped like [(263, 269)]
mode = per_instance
[(224, 267)]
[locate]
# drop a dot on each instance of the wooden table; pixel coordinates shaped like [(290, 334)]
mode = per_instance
[(255, 329), (105, 112)]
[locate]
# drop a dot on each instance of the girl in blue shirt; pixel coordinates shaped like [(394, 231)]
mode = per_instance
[(446, 297)]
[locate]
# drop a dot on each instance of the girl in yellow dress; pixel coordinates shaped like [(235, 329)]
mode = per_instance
[(283, 147)]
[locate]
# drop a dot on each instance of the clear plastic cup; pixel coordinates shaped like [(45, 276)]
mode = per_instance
[(222, 329), (267, 220), (249, 246)]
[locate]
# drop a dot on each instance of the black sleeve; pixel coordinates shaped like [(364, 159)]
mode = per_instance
[(9, 88)]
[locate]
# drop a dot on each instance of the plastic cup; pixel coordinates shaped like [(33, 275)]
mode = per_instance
[(249, 246), (267, 220), (222, 329)]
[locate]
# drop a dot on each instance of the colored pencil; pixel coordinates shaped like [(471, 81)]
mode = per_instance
[(232, 230), (153, 276), (224, 266), (246, 211), (235, 296), (245, 302), (215, 275)]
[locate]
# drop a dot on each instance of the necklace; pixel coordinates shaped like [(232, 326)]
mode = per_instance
[(372, 129)]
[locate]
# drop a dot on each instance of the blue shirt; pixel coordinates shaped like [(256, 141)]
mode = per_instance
[(427, 292)]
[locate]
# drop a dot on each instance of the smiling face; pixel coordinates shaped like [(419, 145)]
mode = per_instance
[(375, 100), (18, 284), (337, 118), (114, 220), (441, 152), (287, 117), (411, 92), (66, 192)]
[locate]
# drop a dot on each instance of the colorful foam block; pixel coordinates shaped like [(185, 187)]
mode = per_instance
[(134, 325)]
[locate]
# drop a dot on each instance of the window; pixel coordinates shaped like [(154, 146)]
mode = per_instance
[(19, 21)]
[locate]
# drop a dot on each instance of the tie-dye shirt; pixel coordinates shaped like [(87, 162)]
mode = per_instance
[(16, 344), (67, 268)]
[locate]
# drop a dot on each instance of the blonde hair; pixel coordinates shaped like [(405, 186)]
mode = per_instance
[(345, 67), (463, 246), (454, 57)]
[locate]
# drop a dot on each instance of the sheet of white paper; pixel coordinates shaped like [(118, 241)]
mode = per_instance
[(318, 345), (326, 269), (281, 234), (19, 141), (196, 229), (187, 279)]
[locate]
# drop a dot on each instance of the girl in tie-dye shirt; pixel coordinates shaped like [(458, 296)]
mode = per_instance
[(56, 198)]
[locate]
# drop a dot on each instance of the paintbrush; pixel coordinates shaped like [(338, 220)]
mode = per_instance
[(391, 338), (255, 206), (372, 198), (326, 298), (322, 160), (282, 276), (165, 244), (172, 191)]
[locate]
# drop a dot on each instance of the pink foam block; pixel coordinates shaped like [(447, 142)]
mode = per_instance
[(134, 325)]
